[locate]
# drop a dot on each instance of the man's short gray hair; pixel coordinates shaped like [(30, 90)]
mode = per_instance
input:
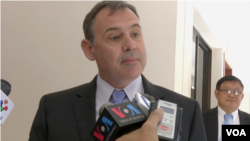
[(88, 23)]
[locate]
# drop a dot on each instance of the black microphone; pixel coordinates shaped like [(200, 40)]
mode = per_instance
[(5, 87), (104, 106), (129, 120), (6, 104), (137, 99), (117, 120)]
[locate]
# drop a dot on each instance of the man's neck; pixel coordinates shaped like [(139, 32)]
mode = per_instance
[(118, 84), (227, 110)]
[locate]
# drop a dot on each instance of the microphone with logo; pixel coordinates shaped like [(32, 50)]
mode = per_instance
[(6, 104), (117, 120)]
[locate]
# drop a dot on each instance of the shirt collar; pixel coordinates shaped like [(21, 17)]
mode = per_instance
[(222, 113), (105, 89), (133, 88)]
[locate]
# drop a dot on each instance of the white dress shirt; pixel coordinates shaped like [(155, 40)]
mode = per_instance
[(105, 90), (221, 120)]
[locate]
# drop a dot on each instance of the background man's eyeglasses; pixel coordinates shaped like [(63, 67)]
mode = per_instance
[(229, 91)]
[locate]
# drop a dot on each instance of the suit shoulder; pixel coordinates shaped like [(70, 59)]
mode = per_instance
[(206, 112), (245, 114), (68, 93), (175, 97), (174, 94), (165, 94)]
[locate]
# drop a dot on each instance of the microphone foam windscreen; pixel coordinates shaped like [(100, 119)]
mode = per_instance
[(5, 87)]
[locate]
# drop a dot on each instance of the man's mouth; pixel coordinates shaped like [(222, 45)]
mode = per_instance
[(231, 100), (130, 60)]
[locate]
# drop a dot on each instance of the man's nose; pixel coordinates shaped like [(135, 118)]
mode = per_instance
[(128, 43), (232, 94)]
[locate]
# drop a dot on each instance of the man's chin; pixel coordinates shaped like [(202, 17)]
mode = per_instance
[(232, 101), (131, 76)]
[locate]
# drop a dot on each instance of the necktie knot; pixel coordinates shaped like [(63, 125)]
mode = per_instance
[(227, 118), (118, 96)]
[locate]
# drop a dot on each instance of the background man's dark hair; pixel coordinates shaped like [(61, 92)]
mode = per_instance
[(228, 78), (89, 20)]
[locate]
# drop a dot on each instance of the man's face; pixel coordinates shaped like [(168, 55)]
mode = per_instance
[(229, 102), (119, 47)]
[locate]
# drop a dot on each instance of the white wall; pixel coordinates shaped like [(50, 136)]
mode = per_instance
[(183, 52), (41, 52), (217, 73), (233, 48)]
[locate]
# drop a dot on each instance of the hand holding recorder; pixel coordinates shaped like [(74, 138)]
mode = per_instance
[(148, 131)]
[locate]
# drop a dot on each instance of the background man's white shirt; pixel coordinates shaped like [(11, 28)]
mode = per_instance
[(221, 120)]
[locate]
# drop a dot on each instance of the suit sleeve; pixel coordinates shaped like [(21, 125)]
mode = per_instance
[(39, 130), (197, 132)]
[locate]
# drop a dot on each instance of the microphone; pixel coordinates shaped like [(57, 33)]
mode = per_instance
[(6, 104), (5, 87), (117, 120), (143, 101), (140, 99), (104, 106)]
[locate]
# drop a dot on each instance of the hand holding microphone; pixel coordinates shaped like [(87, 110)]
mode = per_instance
[(148, 131), (117, 120), (128, 120)]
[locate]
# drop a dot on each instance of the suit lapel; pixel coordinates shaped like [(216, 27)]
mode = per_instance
[(243, 118), (213, 124), (84, 110), (150, 89)]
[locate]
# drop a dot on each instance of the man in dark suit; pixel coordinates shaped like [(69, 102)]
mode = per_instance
[(229, 95), (114, 40)]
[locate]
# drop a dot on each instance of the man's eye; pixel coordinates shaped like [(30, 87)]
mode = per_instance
[(228, 91), (135, 34), (114, 38)]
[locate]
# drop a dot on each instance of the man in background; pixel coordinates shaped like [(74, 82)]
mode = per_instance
[(114, 39), (229, 93)]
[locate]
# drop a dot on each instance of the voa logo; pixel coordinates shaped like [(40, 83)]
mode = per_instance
[(125, 111), (236, 132), (103, 128)]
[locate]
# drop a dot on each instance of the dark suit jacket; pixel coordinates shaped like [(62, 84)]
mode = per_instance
[(210, 119), (69, 115)]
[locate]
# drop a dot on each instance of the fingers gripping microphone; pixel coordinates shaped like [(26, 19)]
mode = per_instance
[(117, 120), (6, 104)]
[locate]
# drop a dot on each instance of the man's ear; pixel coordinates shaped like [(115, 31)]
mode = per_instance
[(242, 96), (88, 49), (216, 92)]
